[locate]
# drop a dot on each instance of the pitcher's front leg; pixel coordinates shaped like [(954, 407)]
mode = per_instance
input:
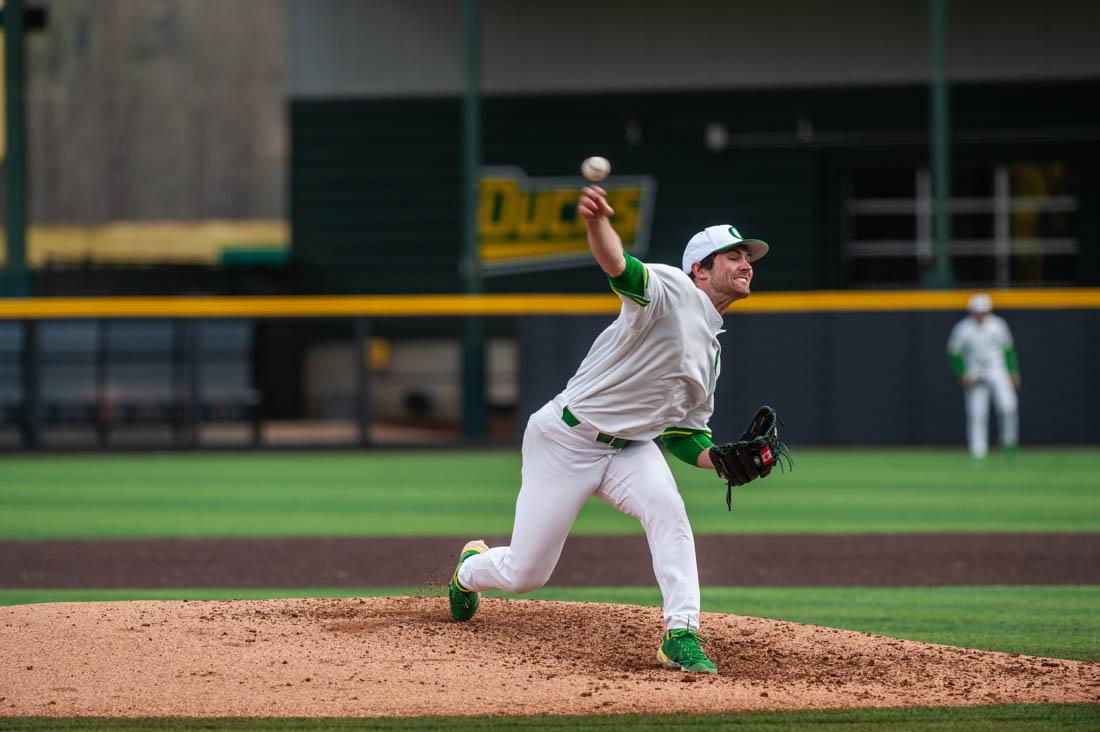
[(560, 471)]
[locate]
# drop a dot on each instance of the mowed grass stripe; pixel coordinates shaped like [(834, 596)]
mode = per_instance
[(1030, 717), (470, 492), (1059, 622)]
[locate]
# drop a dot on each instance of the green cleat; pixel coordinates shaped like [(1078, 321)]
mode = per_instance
[(463, 601), (680, 649)]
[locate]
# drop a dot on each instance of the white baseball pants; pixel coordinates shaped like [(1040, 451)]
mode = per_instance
[(562, 467), (999, 385)]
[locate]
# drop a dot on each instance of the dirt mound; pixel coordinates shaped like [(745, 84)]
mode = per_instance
[(403, 656)]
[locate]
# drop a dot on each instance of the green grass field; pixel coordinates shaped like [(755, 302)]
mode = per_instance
[(460, 493), (1033, 718), (463, 493)]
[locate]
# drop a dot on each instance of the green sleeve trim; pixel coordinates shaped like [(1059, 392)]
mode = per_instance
[(1011, 361), (957, 364), (633, 281), (686, 444)]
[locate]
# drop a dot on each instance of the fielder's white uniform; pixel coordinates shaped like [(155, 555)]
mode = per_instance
[(654, 367), (984, 353)]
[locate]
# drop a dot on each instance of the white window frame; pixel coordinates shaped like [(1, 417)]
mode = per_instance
[(1001, 205)]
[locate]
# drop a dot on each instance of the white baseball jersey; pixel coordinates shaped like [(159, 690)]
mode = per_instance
[(656, 366), (981, 346)]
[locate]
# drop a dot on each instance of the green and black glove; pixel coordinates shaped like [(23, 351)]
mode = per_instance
[(753, 456)]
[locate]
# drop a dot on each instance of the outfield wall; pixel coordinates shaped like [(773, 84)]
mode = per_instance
[(849, 378), (843, 368)]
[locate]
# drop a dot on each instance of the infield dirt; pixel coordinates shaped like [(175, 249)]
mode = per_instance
[(403, 656)]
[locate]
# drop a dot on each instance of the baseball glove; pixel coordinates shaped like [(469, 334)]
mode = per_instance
[(753, 456)]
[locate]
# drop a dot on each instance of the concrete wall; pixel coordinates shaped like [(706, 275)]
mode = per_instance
[(378, 48), (170, 110)]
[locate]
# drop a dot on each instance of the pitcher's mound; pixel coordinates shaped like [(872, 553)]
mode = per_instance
[(403, 656)]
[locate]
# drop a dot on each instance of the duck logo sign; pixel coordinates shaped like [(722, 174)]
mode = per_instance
[(528, 224)]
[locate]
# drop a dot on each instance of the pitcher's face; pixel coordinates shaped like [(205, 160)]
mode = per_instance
[(732, 273)]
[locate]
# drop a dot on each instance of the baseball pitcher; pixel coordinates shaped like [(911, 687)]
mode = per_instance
[(982, 355), (651, 373)]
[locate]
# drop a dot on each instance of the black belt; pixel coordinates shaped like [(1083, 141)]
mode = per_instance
[(609, 440)]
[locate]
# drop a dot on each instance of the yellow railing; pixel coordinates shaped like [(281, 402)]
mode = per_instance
[(312, 306)]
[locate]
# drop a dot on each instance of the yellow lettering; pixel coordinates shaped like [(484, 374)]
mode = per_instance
[(532, 217), (562, 208), (499, 207), (625, 201), (513, 220)]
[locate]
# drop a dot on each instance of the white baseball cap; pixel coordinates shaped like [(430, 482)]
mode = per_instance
[(719, 238), (980, 303)]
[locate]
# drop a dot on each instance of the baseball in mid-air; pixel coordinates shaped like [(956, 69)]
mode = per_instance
[(595, 168)]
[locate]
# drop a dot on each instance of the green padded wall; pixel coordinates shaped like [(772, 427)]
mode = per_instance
[(375, 200)]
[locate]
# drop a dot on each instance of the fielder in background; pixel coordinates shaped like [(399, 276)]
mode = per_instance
[(983, 356), (651, 373)]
